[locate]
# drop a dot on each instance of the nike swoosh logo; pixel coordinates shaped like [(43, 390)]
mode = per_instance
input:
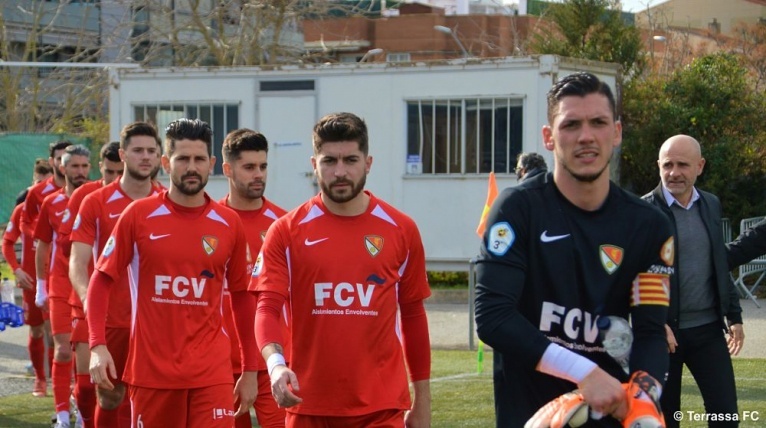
[(546, 238), (60, 213), (114, 215), (310, 243), (153, 236)]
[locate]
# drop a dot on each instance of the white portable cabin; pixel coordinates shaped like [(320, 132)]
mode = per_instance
[(436, 129)]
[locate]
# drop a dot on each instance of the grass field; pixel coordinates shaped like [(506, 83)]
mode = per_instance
[(461, 396)]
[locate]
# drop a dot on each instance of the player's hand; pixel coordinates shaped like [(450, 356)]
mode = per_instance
[(101, 367), (642, 394), (23, 279), (736, 338), (671, 338), (245, 390), (283, 384), (41, 295), (566, 410), (603, 393), (419, 416)]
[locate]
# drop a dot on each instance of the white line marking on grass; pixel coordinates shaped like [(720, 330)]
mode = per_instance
[(453, 377)]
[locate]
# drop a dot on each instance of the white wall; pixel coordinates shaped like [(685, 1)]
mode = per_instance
[(446, 207)]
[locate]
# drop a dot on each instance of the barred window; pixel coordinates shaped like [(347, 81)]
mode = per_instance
[(222, 119), (463, 136)]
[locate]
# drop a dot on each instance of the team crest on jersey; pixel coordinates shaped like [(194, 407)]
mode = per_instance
[(374, 244), (109, 247), (76, 222), (500, 238), (258, 266), (209, 244), (668, 252), (263, 235), (611, 257)]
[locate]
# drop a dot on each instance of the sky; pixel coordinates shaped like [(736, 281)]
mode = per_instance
[(638, 5)]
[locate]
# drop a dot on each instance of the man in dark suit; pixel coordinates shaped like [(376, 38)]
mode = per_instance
[(702, 296)]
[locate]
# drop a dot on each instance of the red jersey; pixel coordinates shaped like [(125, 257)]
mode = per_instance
[(178, 259), (34, 202), (344, 278), (65, 231), (54, 211), (11, 235), (255, 222), (95, 221)]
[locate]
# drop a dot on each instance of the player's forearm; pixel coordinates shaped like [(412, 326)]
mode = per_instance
[(243, 309), (98, 302), (79, 261), (268, 331), (498, 320), (41, 258), (417, 345), (9, 253), (650, 347)]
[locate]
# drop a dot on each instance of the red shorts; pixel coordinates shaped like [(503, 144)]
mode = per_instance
[(79, 330), (117, 342), (61, 315), (211, 406), (266, 410), (383, 419), (33, 316)]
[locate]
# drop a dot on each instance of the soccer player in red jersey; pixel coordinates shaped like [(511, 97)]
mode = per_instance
[(24, 271), (98, 214), (110, 167), (244, 153), (51, 263), (179, 247), (41, 190), (353, 269)]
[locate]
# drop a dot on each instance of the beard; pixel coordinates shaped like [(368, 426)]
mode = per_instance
[(246, 192), (136, 174), (343, 196), (585, 178), (189, 189)]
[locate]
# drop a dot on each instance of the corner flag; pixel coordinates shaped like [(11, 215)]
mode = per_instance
[(491, 195)]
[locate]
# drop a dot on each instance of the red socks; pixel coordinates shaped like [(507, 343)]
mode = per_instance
[(36, 347), (61, 376), (85, 394)]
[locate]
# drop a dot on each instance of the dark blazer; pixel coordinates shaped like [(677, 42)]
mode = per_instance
[(726, 293), (751, 243)]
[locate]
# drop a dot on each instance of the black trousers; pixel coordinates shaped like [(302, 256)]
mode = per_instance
[(704, 351)]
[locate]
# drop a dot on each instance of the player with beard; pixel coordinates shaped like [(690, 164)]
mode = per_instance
[(139, 150), (51, 263), (353, 270), (179, 246), (245, 165), (38, 192), (563, 249)]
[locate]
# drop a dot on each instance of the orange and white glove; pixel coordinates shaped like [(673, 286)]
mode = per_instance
[(567, 410), (643, 398)]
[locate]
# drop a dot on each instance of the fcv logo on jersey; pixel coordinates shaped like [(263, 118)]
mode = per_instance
[(574, 322)]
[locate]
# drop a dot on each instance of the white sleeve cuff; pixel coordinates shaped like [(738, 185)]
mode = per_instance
[(565, 364)]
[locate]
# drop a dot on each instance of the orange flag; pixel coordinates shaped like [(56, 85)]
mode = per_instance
[(491, 195)]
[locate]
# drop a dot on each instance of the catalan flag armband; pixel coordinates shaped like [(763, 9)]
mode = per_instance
[(650, 289)]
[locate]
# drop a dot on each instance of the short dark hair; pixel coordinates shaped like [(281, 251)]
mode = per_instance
[(337, 127), (241, 140), (22, 196), (111, 151), (187, 129), (42, 167), (137, 129), (58, 145), (531, 160), (578, 84)]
